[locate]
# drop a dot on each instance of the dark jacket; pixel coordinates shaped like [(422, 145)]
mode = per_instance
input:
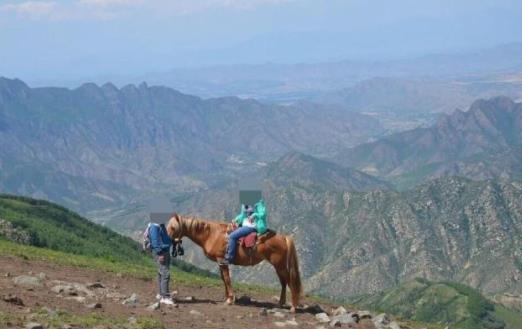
[(159, 239)]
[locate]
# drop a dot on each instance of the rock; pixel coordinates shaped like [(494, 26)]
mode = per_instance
[(41, 276), (292, 323), (339, 311), (27, 281), (364, 315), (79, 299), (314, 309), (94, 305), (95, 285), (7, 275), (196, 313), (381, 321), (394, 325), (132, 300), (189, 299), (153, 307), (71, 288), (13, 299), (355, 316), (14, 233), (33, 325), (345, 318), (64, 289), (115, 295), (322, 317), (278, 314), (66, 326), (335, 323), (263, 312), (280, 324)]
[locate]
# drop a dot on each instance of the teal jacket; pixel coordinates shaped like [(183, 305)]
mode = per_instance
[(259, 215)]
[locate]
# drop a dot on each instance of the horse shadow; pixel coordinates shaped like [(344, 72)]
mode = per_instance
[(247, 301), (194, 300)]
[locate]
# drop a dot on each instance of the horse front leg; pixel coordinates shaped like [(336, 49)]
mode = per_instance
[(224, 282), (229, 293)]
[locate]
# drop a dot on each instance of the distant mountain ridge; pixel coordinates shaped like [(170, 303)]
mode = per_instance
[(105, 145), (305, 170), (461, 143)]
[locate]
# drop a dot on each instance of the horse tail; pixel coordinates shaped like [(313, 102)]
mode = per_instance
[(292, 266)]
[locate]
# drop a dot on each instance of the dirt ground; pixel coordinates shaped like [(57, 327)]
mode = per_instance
[(205, 310)]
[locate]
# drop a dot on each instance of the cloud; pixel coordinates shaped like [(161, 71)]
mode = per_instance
[(110, 3), (32, 9), (110, 9)]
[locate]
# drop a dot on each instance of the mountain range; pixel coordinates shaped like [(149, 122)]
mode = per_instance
[(108, 151), (103, 145), (290, 82), (483, 142), (354, 242)]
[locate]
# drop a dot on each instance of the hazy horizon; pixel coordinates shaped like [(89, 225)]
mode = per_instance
[(77, 39)]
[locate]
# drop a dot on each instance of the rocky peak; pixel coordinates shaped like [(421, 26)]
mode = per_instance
[(296, 167), (12, 89)]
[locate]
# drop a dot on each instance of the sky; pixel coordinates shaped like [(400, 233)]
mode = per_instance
[(70, 39)]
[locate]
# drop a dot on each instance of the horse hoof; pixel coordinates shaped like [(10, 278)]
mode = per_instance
[(292, 309), (229, 301)]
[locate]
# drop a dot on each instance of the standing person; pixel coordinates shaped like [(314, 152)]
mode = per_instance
[(160, 244)]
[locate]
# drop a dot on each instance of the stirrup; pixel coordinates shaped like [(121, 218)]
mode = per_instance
[(224, 262)]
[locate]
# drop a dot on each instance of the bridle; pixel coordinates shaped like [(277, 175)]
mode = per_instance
[(177, 248)]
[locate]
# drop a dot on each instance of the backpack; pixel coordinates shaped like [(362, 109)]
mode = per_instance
[(145, 244)]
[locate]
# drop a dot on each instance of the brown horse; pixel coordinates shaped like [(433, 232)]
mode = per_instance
[(278, 250)]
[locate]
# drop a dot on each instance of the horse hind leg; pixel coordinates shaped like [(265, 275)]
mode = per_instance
[(283, 279)]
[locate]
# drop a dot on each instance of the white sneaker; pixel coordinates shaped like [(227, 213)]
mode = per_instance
[(166, 301)]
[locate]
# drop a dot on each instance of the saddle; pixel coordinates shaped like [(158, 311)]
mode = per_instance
[(251, 240)]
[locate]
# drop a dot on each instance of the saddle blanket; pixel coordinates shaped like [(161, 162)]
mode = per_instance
[(248, 241)]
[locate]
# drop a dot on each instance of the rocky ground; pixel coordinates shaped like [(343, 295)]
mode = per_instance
[(44, 295)]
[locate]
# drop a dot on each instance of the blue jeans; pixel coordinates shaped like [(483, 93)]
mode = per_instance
[(232, 240)]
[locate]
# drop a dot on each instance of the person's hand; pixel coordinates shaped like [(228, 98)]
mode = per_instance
[(161, 259)]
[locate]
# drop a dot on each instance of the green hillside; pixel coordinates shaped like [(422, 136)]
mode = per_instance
[(54, 227), (444, 303)]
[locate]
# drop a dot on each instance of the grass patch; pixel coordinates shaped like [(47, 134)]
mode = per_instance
[(512, 319)]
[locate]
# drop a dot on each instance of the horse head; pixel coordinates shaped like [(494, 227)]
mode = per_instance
[(175, 227)]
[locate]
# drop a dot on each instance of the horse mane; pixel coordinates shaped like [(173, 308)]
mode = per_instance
[(192, 225)]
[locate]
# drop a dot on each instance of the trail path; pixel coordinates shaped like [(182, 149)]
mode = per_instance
[(60, 288)]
